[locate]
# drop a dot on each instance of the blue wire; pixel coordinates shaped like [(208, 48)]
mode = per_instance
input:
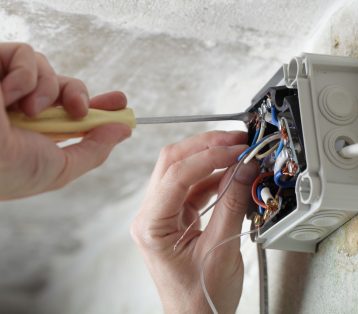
[(279, 149), (249, 149), (258, 192), (256, 136), (283, 184), (274, 119)]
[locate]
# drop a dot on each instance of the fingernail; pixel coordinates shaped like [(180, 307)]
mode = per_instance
[(247, 173), (41, 102)]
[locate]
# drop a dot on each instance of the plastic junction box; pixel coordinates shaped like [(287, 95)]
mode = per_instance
[(327, 189)]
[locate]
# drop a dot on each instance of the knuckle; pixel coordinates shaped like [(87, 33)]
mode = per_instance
[(215, 136), (166, 151), (167, 154), (26, 48), (234, 203), (52, 84), (41, 56), (77, 83), (174, 170), (214, 156), (135, 234), (100, 160), (29, 76), (142, 235), (49, 77)]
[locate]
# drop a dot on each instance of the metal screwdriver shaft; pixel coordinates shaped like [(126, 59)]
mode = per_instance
[(245, 117)]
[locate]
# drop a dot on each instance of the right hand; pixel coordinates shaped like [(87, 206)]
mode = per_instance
[(30, 163)]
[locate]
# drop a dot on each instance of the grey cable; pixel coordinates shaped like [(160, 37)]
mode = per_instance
[(263, 279)]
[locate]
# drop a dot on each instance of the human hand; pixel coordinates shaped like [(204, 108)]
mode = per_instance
[(181, 184), (31, 163)]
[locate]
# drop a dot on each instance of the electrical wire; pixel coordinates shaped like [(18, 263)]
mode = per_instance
[(258, 146), (281, 160), (349, 151), (261, 210), (268, 152), (262, 130), (256, 136), (263, 278), (249, 149), (262, 144), (274, 119), (211, 205), (202, 276), (279, 149), (281, 183), (257, 181)]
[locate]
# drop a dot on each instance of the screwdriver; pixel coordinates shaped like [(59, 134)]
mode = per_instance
[(56, 123)]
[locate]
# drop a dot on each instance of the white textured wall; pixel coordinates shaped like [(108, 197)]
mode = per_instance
[(69, 251)]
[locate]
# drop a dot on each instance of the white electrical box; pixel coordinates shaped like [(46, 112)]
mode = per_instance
[(316, 98)]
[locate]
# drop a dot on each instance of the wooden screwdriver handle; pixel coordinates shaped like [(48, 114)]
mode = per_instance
[(56, 122)]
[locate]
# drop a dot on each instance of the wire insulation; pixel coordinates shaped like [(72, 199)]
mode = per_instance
[(256, 136), (266, 140), (274, 118), (262, 130), (257, 181), (350, 151), (268, 152), (278, 178), (211, 205), (263, 278), (202, 276), (279, 149)]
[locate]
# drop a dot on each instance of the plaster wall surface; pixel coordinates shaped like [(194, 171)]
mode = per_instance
[(69, 251)]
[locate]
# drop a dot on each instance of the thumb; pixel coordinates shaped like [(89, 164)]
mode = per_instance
[(91, 152), (229, 213)]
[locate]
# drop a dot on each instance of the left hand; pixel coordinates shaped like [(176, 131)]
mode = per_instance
[(181, 184)]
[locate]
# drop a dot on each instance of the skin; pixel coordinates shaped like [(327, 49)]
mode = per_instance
[(31, 163), (181, 184)]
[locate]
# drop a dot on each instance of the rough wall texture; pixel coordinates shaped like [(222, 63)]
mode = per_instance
[(69, 251)]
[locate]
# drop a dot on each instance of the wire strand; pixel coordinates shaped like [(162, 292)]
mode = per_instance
[(211, 205), (202, 276)]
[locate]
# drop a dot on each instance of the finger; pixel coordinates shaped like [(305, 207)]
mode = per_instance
[(109, 101), (200, 193), (18, 71), (175, 152), (91, 152), (73, 96), (175, 184), (199, 196), (229, 213), (46, 91)]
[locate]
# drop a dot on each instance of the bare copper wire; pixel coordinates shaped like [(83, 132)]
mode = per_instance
[(290, 168)]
